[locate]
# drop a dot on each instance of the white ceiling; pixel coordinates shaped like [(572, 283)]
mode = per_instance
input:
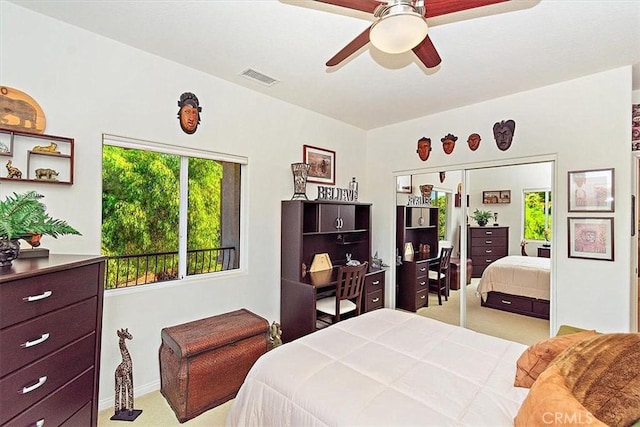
[(486, 53)]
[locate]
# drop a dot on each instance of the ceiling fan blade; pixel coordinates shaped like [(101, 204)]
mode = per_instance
[(427, 53), (349, 49), (363, 5), (443, 7)]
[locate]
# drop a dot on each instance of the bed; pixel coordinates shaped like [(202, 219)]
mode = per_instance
[(385, 367), (519, 284)]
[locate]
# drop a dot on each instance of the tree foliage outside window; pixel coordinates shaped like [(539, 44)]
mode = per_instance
[(537, 215), (141, 213), (440, 199)]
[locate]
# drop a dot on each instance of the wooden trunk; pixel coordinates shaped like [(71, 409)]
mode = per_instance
[(204, 362)]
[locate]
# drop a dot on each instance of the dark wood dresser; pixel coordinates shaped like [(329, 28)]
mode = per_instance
[(486, 244), (50, 329)]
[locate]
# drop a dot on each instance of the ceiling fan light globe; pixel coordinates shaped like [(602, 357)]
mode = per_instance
[(398, 32)]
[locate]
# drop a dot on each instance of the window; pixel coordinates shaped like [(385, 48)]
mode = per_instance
[(441, 200), (537, 215), (167, 212)]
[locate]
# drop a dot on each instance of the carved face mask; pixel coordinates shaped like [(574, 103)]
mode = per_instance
[(474, 141), (424, 148), (449, 143), (503, 133)]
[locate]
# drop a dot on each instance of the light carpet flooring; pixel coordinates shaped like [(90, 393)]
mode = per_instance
[(156, 412)]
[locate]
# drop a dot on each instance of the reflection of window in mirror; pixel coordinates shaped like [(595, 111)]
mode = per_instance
[(403, 184)]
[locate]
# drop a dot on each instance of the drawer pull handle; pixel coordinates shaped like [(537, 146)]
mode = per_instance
[(375, 300), (377, 282), (423, 269), (40, 422), (423, 297), (488, 233), (488, 251), (488, 242), (505, 302), (40, 340), (45, 294), (423, 283), (39, 384)]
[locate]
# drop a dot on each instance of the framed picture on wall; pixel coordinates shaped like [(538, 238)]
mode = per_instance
[(322, 164), (494, 197), (403, 184), (591, 238), (591, 190)]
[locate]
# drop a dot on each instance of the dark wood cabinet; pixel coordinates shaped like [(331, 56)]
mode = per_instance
[(309, 228), (544, 252), (418, 225), (50, 331), (485, 245)]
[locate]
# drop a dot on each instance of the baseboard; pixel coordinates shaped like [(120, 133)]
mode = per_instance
[(109, 401)]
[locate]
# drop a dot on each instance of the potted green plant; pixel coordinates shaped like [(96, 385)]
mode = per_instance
[(24, 216), (482, 217)]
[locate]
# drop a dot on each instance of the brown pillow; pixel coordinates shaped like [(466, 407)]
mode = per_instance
[(603, 373), (550, 403), (537, 357)]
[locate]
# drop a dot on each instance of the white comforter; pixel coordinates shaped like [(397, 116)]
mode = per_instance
[(387, 368), (517, 275)]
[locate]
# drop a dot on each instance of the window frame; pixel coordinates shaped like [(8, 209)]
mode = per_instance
[(184, 153)]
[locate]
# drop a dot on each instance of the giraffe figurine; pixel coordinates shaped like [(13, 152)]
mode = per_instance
[(124, 381)]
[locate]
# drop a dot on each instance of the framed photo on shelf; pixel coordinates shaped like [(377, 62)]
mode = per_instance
[(322, 164), (591, 238), (495, 197), (403, 184), (591, 190)]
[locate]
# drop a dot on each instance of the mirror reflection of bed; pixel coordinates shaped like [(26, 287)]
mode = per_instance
[(530, 178)]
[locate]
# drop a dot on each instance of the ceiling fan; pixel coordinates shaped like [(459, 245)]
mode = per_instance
[(401, 25)]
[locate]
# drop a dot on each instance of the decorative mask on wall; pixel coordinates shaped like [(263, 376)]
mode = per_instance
[(474, 141), (443, 175), (503, 133), (448, 143), (424, 148), (189, 112)]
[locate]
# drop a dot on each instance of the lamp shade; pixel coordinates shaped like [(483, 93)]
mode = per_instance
[(398, 31)]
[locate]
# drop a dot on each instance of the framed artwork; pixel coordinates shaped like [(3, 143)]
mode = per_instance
[(403, 184), (591, 238), (494, 197), (322, 164), (591, 190)]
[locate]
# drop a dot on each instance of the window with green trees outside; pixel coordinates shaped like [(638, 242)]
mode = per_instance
[(441, 199), (167, 215), (537, 215)]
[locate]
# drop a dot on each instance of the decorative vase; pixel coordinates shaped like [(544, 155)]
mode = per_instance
[(408, 251), (300, 174), (9, 249)]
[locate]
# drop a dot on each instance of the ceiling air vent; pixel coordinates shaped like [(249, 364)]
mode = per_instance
[(259, 77)]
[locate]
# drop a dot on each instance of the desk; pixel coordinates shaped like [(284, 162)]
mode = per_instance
[(413, 282), (298, 299)]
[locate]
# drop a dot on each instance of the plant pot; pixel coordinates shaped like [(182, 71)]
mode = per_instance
[(9, 250), (482, 223)]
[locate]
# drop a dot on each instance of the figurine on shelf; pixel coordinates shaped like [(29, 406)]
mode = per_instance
[(46, 174), (51, 148), (14, 172)]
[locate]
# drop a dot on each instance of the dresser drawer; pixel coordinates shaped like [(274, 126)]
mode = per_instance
[(59, 406), (28, 341), (422, 299), (374, 282), (508, 302), (27, 386), (488, 243), (422, 268), (373, 300), (23, 299), (488, 232)]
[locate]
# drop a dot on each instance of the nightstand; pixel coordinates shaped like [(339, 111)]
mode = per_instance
[(544, 252)]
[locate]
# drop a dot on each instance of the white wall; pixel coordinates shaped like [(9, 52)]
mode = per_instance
[(582, 124), (88, 85), (518, 178)]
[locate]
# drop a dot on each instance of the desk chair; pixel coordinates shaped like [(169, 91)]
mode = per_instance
[(348, 295), (439, 279)]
